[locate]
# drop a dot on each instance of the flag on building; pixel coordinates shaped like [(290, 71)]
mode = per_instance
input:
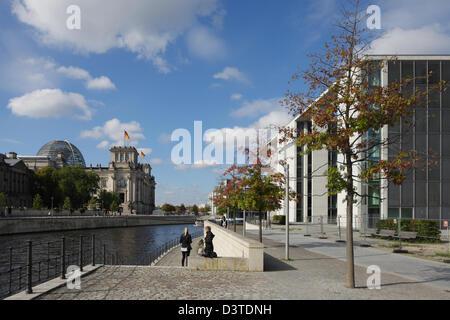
[(126, 135), (142, 154)]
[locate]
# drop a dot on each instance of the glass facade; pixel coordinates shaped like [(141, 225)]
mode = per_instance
[(70, 153), (426, 191)]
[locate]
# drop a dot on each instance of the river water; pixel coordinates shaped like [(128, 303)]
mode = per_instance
[(132, 245)]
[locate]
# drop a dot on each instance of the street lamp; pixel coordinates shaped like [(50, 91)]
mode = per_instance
[(52, 205)]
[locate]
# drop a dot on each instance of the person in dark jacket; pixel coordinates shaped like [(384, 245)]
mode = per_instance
[(186, 247), (209, 247)]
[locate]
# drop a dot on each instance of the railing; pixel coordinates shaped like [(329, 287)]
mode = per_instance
[(153, 257), (25, 266)]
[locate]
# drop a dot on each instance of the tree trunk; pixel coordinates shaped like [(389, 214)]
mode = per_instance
[(235, 213), (350, 259), (260, 227)]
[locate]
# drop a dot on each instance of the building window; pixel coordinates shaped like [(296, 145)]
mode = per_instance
[(300, 195)]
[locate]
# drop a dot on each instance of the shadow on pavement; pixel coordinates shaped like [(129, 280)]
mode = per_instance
[(272, 264)]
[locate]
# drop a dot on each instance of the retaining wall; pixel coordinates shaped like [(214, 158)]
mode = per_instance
[(10, 226)]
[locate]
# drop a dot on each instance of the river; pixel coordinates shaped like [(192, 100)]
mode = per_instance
[(131, 244)]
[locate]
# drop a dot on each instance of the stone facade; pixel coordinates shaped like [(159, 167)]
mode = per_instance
[(38, 162), (15, 181), (132, 181)]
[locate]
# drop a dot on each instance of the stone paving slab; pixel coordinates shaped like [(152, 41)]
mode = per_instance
[(307, 276)]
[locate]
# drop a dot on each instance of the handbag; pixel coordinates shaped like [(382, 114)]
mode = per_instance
[(184, 249)]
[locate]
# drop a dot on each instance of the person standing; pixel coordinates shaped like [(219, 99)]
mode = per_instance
[(186, 247)]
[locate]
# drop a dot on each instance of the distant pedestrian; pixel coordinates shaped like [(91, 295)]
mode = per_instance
[(209, 247), (186, 247), (224, 222)]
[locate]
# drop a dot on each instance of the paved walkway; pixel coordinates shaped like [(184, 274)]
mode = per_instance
[(309, 275), (420, 270)]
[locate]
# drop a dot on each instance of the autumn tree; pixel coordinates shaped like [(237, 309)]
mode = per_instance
[(348, 108), (168, 208), (252, 187)]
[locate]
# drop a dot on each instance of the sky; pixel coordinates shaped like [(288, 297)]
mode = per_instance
[(152, 67)]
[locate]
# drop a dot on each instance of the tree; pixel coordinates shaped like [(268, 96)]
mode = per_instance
[(93, 204), (67, 205), (348, 109), (106, 198), (168, 208), (195, 209), (46, 184), (38, 204), (114, 207), (182, 208), (77, 184), (250, 188), (3, 202), (72, 182)]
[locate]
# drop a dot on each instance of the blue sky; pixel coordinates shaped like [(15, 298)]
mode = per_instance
[(151, 67)]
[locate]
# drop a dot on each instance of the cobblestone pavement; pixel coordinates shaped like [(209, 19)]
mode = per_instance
[(307, 275), (169, 283)]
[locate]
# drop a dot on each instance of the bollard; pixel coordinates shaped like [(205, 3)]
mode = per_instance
[(63, 258), (339, 230), (48, 260), (307, 234), (30, 267), (10, 269), (81, 254), (93, 250), (321, 225)]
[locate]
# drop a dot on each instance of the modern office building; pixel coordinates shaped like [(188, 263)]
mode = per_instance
[(133, 181), (426, 192)]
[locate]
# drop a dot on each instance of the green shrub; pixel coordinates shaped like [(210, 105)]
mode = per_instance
[(426, 229), (279, 219), (387, 224)]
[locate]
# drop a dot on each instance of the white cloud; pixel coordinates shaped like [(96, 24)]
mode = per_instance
[(146, 151), (74, 73), (103, 145), (232, 73), (165, 138), (156, 161), (52, 103), (203, 164), (236, 96), (112, 133), (414, 27), (102, 83), (433, 40), (204, 44), (257, 107), (146, 28)]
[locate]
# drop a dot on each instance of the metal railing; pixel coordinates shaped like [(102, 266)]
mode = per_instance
[(364, 226), (25, 266), (153, 257)]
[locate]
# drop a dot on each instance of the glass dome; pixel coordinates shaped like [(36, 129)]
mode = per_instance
[(70, 153)]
